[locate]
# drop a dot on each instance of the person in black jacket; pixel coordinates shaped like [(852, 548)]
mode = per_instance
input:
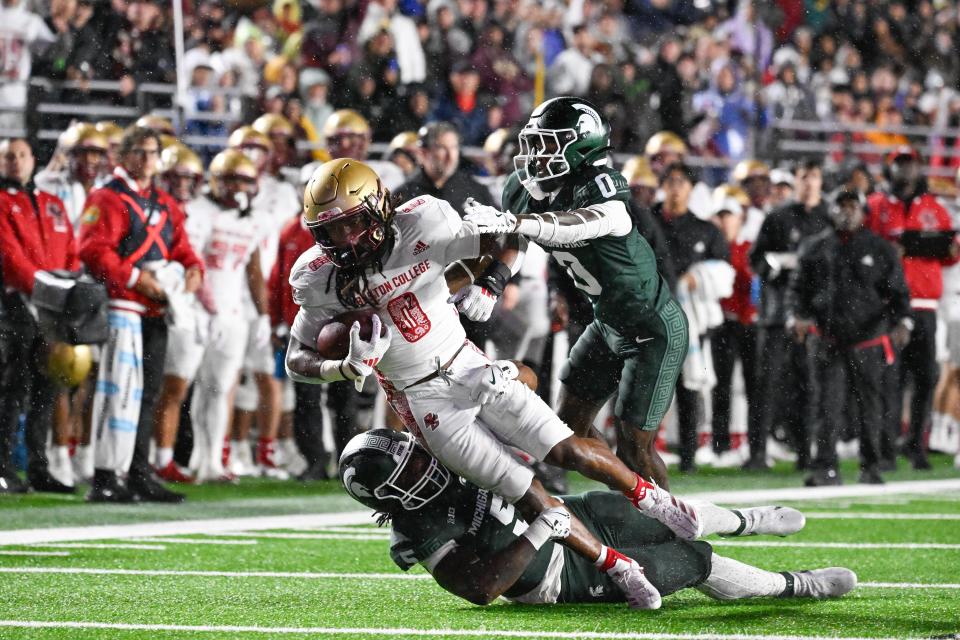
[(688, 240), (849, 291), (786, 387)]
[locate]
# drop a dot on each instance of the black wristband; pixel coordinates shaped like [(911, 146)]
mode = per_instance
[(495, 278)]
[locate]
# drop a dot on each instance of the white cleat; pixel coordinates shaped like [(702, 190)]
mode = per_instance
[(831, 582), (640, 592), (679, 516), (769, 521)]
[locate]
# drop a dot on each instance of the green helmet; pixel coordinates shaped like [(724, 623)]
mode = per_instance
[(372, 464), (562, 135)]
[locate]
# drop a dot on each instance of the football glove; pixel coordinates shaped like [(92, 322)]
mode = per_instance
[(487, 383), (363, 356), (489, 219), (475, 302), (552, 524)]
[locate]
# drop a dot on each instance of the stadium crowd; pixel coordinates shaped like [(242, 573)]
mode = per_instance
[(204, 305)]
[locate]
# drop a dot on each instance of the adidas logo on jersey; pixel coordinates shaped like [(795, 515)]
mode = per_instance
[(420, 247)]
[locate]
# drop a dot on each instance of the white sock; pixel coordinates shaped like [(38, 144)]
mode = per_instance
[(164, 456), (61, 456), (717, 519), (732, 580)]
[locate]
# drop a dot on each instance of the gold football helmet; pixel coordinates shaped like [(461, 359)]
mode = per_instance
[(665, 142), (273, 124), (181, 171), (84, 135), (246, 136), (158, 124), (69, 365), (344, 121), (638, 173), (232, 173), (726, 191), (111, 130), (348, 211), (404, 140), (747, 169)]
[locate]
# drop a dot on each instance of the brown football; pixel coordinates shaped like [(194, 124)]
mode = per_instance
[(333, 342)]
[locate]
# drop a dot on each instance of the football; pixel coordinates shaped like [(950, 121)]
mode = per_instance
[(333, 342)]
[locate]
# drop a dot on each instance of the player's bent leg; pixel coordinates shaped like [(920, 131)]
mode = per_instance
[(733, 580), (637, 448), (579, 413)]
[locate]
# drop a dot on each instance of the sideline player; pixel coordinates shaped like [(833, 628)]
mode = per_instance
[(462, 406), (478, 548), (565, 197)]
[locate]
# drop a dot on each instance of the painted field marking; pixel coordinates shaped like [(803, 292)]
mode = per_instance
[(92, 545), (310, 575), (212, 541), (835, 545), (309, 536), (829, 515), (35, 553), (478, 633)]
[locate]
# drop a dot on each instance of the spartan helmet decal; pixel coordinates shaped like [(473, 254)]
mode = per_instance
[(353, 487), (589, 121)]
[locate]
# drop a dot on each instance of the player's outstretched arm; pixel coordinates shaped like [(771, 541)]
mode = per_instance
[(483, 580), (609, 218), (476, 284)]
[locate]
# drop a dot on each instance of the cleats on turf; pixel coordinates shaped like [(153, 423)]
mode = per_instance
[(640, 592), (769, 521), (831, 582), (661, 505)]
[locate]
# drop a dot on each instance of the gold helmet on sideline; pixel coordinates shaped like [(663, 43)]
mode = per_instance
[(747, 169), (665, 141), (181, 171), (111, 130), (726, 191), (344, 121), (348, 191), (69, 365), (247, 136), (273, 124), (638, 173), (158, 124), (167, 141), (404, 140), (83, 135), (231, 165)]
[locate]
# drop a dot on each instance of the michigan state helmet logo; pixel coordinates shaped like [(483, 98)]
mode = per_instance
[(353, 487), (589, 121)]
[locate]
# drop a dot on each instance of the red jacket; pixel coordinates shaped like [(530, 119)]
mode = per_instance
[(889, 219), (123, 229), (33, 238), (739, 306), (294, 240)]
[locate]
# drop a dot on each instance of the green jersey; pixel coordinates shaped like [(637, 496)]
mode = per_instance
[(467, 516), (618, 274)]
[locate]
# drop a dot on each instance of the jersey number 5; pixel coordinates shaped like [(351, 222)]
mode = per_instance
[(582, 278)]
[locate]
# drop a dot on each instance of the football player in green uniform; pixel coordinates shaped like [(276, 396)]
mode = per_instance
[(564, 196), (477, 547)]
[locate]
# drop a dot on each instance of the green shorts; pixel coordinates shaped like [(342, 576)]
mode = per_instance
[(641, 366), (670, 564)]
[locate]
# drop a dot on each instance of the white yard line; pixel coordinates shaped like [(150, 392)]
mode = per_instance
[(847, 515), (60, 554), (212, 541), (834, 545), (477, 633), (311, 536), (312, 575), (89, 545), (306, 521)]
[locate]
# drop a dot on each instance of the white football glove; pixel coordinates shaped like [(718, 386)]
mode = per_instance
[(263, 331), (552, 524), (486, 383), (363, 356), (475, 302), (489, 219)]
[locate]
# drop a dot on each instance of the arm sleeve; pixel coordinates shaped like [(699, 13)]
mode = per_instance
[(100, 235), (18, 268), (608, 218)]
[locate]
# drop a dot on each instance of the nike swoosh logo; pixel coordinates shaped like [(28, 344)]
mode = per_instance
[(642, 340), (493, 378)]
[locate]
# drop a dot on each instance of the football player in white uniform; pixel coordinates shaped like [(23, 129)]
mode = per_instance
[(86, 151), (464, 408), (226, 234), (259, 394)]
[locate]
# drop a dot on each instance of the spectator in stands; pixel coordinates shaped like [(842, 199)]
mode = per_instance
[(22, 33), (898, 214), (133, 239), (461, 106), (786, 388), (570, 71), (330, 38), (35, 237), (411, 61), (411, 110), (501, 75), (315, 91)]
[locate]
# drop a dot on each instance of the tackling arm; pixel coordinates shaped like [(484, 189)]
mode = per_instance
[(609, 218), (483, 580)]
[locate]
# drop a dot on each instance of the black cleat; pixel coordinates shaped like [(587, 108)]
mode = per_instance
[(870, 475), (756, 463), (11, 483), (314, 473), (148, 489), (823, 478), (920, 462), (108, 488), (887, 465), (41, 480)]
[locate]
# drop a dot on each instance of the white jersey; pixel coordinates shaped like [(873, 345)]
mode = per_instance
[(70, 191), (411, 293), (225, 240), (19, 30)]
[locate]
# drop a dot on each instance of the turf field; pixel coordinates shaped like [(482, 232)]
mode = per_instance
[(272, 559)]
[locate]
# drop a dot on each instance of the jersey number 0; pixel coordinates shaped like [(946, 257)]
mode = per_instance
[(582, 278)]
